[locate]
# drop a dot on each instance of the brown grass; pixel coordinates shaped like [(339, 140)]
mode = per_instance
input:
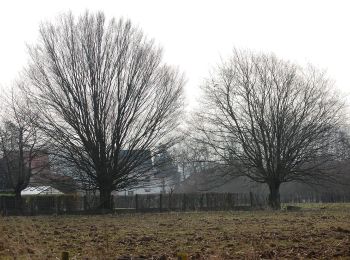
[(315, 233)]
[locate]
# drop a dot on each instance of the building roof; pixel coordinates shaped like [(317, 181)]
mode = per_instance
[(40, 190)]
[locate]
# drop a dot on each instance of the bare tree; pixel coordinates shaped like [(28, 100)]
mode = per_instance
[(343, 148), (191, 156), (106, 97), (167, 172), (271, 121), (20, 145)]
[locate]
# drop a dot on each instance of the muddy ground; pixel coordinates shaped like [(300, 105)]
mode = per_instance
[(315, 232)]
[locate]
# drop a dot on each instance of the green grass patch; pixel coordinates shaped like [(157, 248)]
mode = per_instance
[(7, 194)]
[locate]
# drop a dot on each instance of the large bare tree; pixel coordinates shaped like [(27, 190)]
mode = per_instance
[(106, 97), (271, 121)]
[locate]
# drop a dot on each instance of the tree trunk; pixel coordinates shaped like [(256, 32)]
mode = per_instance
[(274, 196), (105, 188), (18, 200), (106, 198)]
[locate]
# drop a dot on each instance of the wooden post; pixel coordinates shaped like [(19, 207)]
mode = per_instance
[(85, 203), (201, 201), (65, 256), (136, 203), (182, 256), (170, 201), (251, 199), (160, 202), (184, 202), (55, 201), (207, 201), (229, 201), (111, 202)]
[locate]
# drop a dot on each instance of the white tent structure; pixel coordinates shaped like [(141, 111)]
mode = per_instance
[(40, 190)]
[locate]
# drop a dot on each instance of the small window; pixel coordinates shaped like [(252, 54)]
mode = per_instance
[(147, 190), (130, 193)]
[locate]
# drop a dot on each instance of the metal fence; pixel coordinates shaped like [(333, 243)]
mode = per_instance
[(61, 204), (33, 205), (189, 201)]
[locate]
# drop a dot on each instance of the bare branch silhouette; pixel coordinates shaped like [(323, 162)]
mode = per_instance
[(21, 142), (271, 121), (106, 97)]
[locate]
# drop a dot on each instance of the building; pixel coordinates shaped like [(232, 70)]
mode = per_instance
[(41, 175), (40, 190), (162, 177)]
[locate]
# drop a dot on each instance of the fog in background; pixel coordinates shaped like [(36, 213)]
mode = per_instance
[(195, 34)]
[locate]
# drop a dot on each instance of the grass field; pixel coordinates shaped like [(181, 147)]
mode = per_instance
[(316, 232)]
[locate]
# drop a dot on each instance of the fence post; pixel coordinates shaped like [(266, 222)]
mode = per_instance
[(65, 256), (56, 204), (207, 201), (170, 201), (228, 201), (2, 206), (136, 202), (84, 203), (184, 202), (251, 199), (201, 201), (160, 202), (111, 202)]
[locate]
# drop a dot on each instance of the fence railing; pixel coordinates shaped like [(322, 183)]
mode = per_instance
[(59, 204), (189, 201), (32, 205), (314, 197)]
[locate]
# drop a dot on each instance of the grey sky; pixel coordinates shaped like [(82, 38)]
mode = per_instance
[(194, 34)]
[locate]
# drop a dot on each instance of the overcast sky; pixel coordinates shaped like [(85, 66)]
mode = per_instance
[(195, 34)]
